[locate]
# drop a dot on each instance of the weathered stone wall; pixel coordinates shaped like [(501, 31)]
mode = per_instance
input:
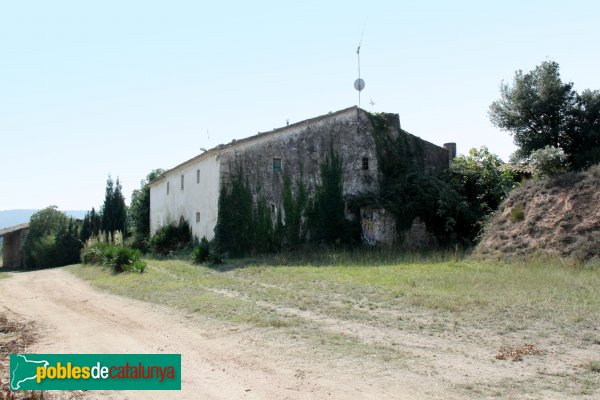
[(302, 148), (427, 157), (12, 254), (435, 158)]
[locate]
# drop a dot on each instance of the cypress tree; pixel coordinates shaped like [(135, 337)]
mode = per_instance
[(107, 207), (86, 228), (95, 222), (114, 210), (119, 209)]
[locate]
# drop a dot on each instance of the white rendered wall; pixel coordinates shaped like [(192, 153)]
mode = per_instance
[(168, 208)]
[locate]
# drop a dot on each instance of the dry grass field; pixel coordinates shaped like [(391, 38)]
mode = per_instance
[(452, 327)]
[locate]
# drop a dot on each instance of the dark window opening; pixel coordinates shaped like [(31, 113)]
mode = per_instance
[(277, 165), (197, 217), (181, 181), (167, 187), (272, 208), (197, 176), (365, 163)]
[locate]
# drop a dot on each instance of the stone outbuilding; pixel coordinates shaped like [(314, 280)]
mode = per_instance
[(13, 237)]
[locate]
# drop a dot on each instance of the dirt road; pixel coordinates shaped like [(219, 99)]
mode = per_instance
[(218, 361)]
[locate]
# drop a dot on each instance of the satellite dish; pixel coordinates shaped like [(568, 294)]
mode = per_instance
[(359, 84)]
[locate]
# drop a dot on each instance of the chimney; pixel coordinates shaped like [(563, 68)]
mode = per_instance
[(451, 147)]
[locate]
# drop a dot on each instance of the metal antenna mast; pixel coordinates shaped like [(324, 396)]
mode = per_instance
[(359, 84)]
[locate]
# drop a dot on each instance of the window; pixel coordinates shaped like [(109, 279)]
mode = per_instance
[(273, 209), (197, 176), (197, 217), (167, 187), (181, 181), (365, 163), (277, 165)]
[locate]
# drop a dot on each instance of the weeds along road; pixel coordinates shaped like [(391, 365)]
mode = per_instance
[(218, 361)]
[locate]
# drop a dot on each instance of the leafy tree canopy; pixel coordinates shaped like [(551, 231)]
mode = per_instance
[(540, 110), (52, 239)]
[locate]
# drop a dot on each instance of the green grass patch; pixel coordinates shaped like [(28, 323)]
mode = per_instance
[(504, 297), (517, 214)]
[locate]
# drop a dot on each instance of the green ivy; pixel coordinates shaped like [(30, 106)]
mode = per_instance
[(235, 223), (327, 221), (404, 187), (294, 208)]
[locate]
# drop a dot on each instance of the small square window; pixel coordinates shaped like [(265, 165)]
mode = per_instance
[(277, 165), (167, 187), (181, 181), (197, 176), (365, 163), (197, 217)]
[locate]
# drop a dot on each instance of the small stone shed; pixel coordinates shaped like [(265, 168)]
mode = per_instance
[(13, 237)]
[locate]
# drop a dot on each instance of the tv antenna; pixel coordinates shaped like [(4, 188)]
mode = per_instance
[(359, 84)]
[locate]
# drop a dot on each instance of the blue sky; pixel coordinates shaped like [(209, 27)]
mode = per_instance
[(94, 88)]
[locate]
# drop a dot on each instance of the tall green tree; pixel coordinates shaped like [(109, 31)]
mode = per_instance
[(114, 210), (583, 148), (540, 110), (139, 210), (86, 228), (95, 222), (68, 245)]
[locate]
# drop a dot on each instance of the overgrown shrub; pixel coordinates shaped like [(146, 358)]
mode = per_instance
[(215, 258), (171, 238), (201, 252), (548, 162), (92, 252), (126, 259), (98, 250)]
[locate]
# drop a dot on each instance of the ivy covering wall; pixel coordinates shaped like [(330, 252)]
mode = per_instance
[(406, 187), (246, 223)]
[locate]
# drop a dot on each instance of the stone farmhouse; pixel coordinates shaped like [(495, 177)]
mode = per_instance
[(190, 191)]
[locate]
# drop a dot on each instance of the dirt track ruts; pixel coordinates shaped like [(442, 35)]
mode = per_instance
[(218, 362)]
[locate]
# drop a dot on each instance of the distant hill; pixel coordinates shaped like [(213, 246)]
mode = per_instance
[(16, 217), (558, 216)]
